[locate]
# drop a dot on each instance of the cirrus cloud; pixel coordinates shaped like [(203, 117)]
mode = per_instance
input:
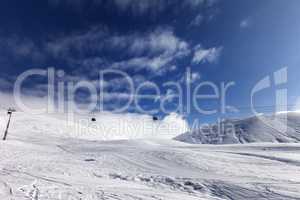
[(136, 7), (210, 55)]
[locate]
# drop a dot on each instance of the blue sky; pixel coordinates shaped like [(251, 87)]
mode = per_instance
[(154, 40)]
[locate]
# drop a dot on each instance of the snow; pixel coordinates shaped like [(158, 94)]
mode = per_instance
[(41, 160), (256, 129), (108, 126)]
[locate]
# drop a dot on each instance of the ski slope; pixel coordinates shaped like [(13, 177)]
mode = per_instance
[(255, 129), (43, 163), (108, 126)]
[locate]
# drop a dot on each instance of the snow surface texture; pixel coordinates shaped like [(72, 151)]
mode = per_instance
[(39, 162), (251, 130), (107, 126)]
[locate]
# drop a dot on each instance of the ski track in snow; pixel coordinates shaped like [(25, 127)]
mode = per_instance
[(36, 166)]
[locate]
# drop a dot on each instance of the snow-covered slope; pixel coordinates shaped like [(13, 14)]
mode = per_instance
[(250, 130), (39, 163), (108, 126)]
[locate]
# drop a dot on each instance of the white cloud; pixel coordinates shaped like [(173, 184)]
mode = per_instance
[(163, 44), (161, 40), (7, 100), (79, 43), (140, 6), (195, 77), (137, 7), (175, 122), (152, 51), (173, 68), (232, 109), (210, 55), (99, 39), (197, 3), (158, 65), (137, 64), (20, 48), (197, 21)]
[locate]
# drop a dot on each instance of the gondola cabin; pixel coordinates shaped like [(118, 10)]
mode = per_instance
[(155, 118)]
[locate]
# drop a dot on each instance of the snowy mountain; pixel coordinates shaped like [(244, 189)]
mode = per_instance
[(256, 129)]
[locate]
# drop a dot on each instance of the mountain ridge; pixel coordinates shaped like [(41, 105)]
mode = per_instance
[(255, 129)]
